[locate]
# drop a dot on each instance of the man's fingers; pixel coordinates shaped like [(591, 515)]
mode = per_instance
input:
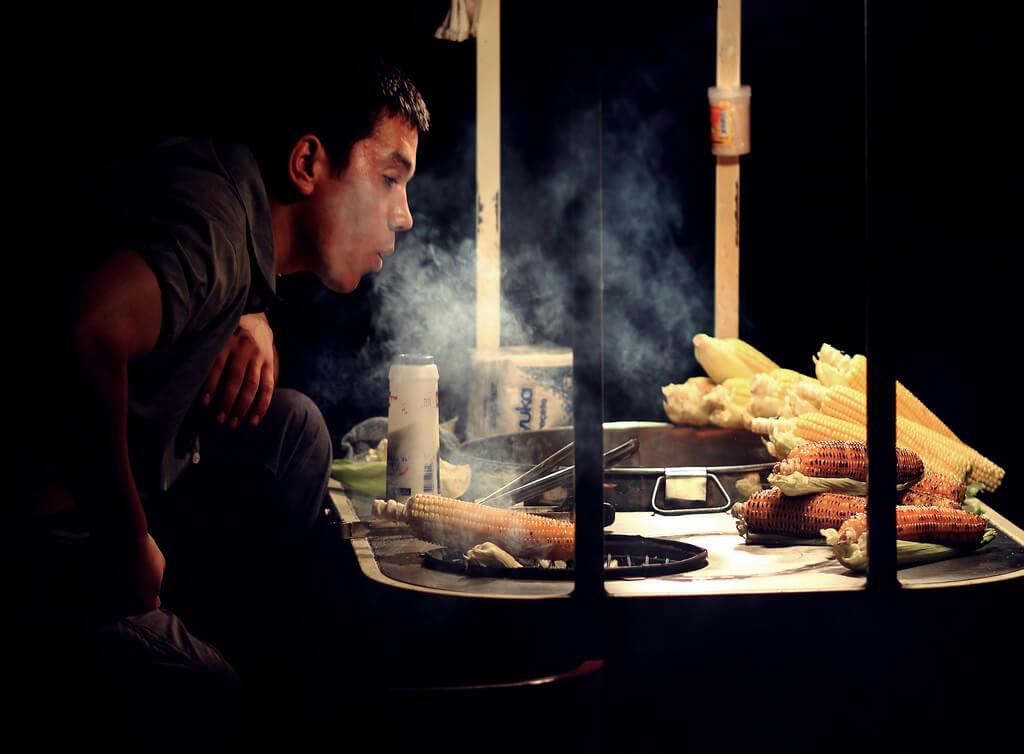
[(213, 379), (232, 380), (263, 398), (249, 387)]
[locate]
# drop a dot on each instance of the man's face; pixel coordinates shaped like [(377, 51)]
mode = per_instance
[(353, 216)]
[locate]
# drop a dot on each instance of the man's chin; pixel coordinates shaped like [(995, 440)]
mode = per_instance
[(339, 285)]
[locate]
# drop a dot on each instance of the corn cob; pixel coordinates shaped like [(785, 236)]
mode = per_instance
[(727, 402), (459, 524), (941, 453), (769, 391), (964, 531), (925, 523), (939, 484), (837, 466), (722, 358), (814, 427), (833, 367), (684, 403), (952, 457), (772, 512), (910, 406), (917, 497), (779, 437)]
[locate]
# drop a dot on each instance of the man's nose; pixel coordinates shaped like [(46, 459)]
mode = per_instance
[(401, 216)]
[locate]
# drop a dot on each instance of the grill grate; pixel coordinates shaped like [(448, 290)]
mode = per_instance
[(626, 556)]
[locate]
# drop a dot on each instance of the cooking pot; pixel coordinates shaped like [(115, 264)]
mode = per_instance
[(673, 470)]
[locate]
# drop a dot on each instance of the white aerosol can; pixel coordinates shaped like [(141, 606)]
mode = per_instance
[(413, 439)]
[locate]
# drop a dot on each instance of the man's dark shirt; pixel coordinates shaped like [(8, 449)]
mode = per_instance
[(197, 212)]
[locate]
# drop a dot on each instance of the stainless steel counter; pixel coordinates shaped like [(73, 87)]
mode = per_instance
[(392, 557)]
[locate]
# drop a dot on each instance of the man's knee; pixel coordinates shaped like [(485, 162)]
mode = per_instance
[(303, 437)]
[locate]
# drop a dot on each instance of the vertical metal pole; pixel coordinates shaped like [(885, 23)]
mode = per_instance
[(588, 325), (880, 319), (488, 177)]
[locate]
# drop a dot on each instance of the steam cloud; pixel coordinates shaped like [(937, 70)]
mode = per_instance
[(657, 277)]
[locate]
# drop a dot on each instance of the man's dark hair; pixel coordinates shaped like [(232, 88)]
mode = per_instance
[(340, 110)]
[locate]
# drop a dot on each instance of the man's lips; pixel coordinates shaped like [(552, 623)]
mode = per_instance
[(379, 258)]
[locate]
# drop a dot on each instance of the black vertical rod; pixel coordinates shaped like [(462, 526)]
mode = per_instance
[(880, 244), (588, 328)]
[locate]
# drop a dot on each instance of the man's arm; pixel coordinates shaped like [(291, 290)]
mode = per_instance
[(116, 319)]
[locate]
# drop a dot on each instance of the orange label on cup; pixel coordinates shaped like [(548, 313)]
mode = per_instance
[(721, 124)]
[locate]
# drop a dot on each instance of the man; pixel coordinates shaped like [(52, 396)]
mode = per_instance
[(164, 388)]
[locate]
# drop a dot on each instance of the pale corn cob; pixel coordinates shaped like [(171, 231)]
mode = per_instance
[(925, 523), (770, 511), (795, 401), (722, 358), (727, 402), (754, 359), (843, 402), (769, 391), (459, 524), (838, 466), (942, 453), (910, 406), (816, 426), (811, 393), (779, 437), (684, 403), (833, 367)]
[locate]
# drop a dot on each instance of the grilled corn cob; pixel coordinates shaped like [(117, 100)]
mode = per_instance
[(942, 533), (917, 497), (770, 512), (925, 523), (459, 524), (722, 358), (939, 484), (837, 466)]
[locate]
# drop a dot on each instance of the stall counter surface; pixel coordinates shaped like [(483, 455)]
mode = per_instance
[(392, 556)]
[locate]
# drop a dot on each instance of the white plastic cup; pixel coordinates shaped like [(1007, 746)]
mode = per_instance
[(413, 428), (730, 120)]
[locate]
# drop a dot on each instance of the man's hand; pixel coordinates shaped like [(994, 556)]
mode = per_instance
[(241, 382)]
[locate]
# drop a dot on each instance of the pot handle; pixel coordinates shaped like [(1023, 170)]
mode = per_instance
[(688, 472)]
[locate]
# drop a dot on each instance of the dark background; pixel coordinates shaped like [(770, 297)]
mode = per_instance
[(945, 158)]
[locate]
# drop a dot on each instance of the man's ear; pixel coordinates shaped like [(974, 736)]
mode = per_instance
[(305, 163)]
